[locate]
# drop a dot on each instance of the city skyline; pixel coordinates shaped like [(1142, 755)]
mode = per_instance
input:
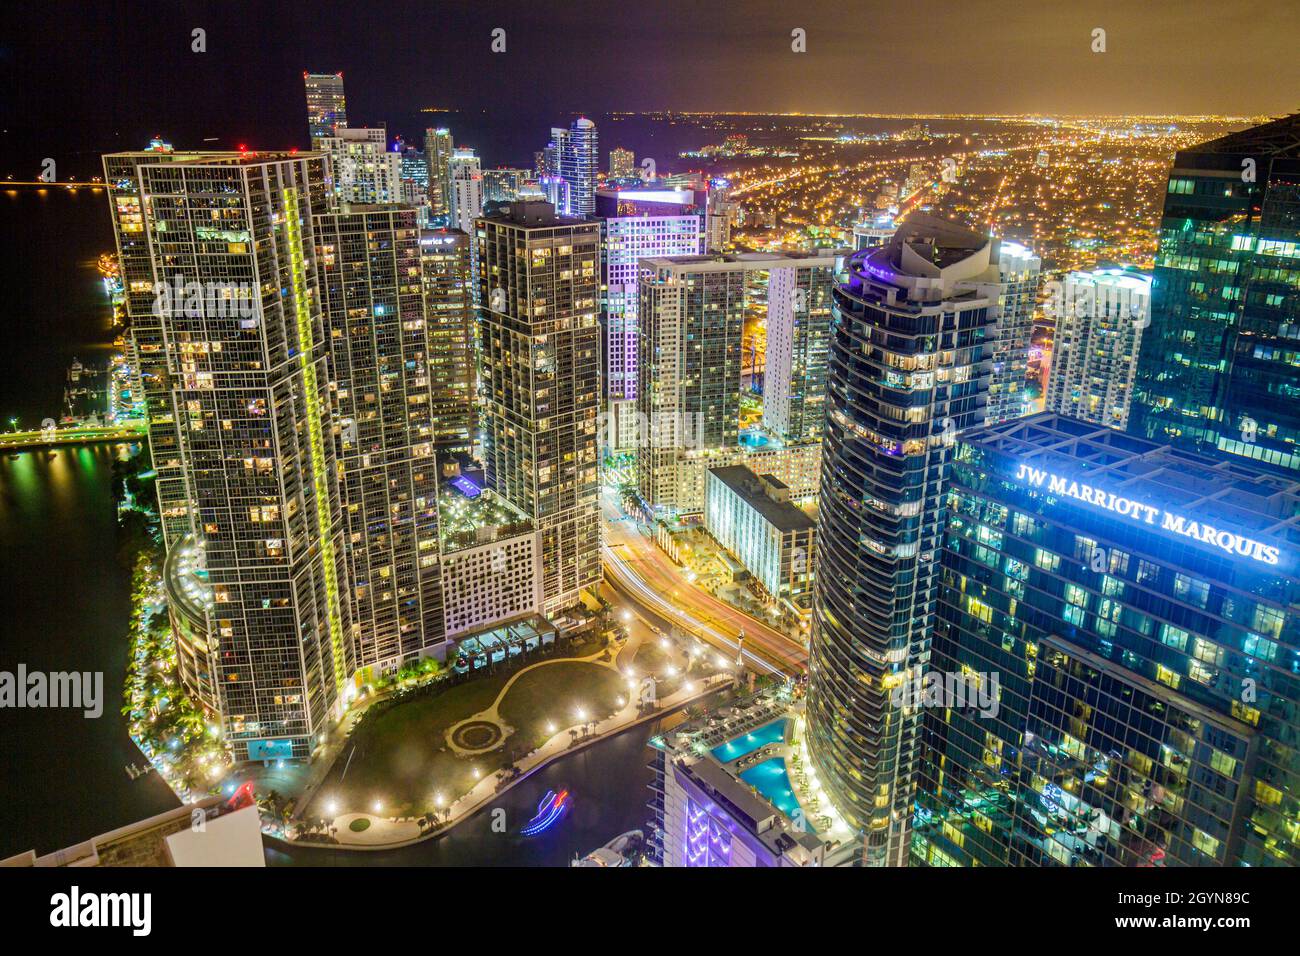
[(494, 454)]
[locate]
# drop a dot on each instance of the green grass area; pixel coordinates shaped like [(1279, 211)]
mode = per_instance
[(399, 755), (553, 693)]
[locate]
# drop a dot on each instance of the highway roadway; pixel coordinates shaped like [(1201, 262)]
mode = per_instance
[(638, 570)]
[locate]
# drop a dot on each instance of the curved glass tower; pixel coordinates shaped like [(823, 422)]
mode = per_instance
[(911, 355)]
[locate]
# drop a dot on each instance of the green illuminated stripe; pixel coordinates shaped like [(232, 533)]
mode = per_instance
[(306, 346)]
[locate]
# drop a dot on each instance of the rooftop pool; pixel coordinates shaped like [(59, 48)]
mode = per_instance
[(737, 747), (771, 780)]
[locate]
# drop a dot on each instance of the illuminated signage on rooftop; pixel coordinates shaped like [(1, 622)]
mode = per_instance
[(1171, 521)]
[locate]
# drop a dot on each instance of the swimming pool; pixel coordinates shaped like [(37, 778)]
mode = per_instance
[(771, 780), (747, 743)]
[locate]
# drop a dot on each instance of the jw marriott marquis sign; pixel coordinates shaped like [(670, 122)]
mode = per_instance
[(1227, 540)]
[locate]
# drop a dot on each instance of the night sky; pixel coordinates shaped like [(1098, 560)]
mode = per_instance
[(80, 79)]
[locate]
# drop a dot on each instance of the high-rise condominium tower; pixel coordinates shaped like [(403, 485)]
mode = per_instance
[(1100, 317), (910, 364), (539, 304), (1019, 270), (122, 177), (622, 163), (259, 582), (638, 224), (465, 178), (690, 363), (327, 111), (361, 168), (574, 155), (453, 348), (1217, 365), (438, 147), (368, 259), (798, 338)]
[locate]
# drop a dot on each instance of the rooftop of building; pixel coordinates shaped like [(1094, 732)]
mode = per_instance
[(535, 213), (1280, 137), (1224, 488), (731, 752), (757, 493), (471, 520)]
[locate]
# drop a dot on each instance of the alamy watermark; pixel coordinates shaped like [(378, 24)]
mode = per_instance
[(956, 691), (214, 300), (82, 690)]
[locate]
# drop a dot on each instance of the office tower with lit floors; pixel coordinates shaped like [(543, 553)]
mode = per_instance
[(368, 261), (539, 304), (1217, 368), (1128, 610), (258, 587), (910, 364), (327, 110)]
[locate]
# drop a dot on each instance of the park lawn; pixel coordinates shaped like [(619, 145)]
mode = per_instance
[(553, 693), (402, 758)]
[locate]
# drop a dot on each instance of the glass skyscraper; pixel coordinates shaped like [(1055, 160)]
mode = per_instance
[(1133, 609), (1218, 366), (912, 340), (574, 156)]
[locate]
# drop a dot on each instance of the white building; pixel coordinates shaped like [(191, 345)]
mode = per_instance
[(361, 169), (798, 337), (753, 518), (639, 223), (1099, 316), (465, 175), (1019, 269)]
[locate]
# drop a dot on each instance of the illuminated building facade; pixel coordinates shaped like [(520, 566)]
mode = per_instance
[(638, 224), (540, 344), (753, 517), (1136, 604), (453, 348), (361, 168), (910, 364), (122, 179), (327, 110), (1217, 368), (248, 380), (622, 163), (574, 156), (438, 147), (1100, 317), (1019, 269), (798, 336), (465, 190), (369, 265)]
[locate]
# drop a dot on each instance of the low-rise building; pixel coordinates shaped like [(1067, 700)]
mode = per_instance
[(753, 518)]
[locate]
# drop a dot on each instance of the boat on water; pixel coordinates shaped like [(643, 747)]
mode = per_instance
[(624, 850)]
